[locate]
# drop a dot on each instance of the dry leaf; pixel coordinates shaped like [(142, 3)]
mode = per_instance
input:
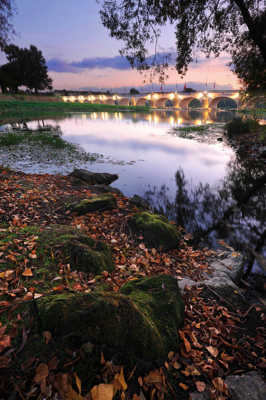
[(153, 377), (47, 336), (212, 350), (41, 373), (170, 355), (102, 392), (219, 385), (27, 272), (176, 365), (119, 381), (183, 386), (78, 382)]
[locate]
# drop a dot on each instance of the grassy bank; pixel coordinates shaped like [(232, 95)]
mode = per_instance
[(13, 110)]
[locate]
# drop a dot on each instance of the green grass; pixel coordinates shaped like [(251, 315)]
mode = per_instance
[(187, 129), (13, 110), (36, 137)]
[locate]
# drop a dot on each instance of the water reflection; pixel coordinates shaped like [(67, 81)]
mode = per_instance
[(173, 118), (234, 210), (140, 148)]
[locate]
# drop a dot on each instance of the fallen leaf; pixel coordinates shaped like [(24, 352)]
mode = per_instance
[(212, 350), (47, 336), (176, 365), (183, 386), (41, 372), (119, 381), (102, 392), (153, 377), (5, 341), (27, 272), (170, 355), (78, 382)]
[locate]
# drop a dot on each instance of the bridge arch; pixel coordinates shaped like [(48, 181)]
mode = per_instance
[(141, 102), (163, 102), (124, 102), (110, 101), (184, 103), (217, 100)]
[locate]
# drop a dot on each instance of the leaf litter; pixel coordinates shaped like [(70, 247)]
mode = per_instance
[(215, 341)]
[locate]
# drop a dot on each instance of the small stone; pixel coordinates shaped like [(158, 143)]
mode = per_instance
[(249, 386)]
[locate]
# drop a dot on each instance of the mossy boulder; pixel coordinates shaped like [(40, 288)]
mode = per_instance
[(140, 322), (68, 244), (96, 203), (156, 230)]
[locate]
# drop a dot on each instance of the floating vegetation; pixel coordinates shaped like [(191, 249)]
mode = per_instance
[(198, 128), (43, 146)]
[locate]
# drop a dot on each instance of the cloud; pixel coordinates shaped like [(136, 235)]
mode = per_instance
[(121, 63), (117, 62), (57, 65)]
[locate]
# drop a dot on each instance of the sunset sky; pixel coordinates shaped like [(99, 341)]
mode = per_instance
[(81, 55)]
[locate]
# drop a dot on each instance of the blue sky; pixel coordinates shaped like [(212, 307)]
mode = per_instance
[(80, 53)]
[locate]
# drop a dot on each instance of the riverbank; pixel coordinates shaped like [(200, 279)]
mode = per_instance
[(23, 110), (217, 339)]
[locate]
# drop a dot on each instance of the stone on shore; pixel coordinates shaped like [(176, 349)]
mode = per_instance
[(156, 230), (94, 178), (140, 322), (79, 250), (96, 203), (249, 386)]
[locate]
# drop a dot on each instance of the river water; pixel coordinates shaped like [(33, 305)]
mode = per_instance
[(180, 161), (143, 149)]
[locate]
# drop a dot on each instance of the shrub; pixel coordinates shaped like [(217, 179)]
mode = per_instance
[(238, 126)]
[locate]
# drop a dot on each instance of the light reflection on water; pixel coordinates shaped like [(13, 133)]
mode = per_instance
[(139, 148)]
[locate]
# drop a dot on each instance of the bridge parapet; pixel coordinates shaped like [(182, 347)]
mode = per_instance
[(210, 99)]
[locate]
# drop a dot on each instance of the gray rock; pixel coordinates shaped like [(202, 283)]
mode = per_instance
[(93, 178), (98, 189), (97, 203), (199, 396), (249, 386), (228, 264), (226, 272)]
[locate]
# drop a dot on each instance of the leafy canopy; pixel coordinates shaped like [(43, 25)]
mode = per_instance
[(207, 26), (6, 12), (26, 67)]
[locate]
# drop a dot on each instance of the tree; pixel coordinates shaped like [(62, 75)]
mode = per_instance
[(249, 66), (9, 77), (26, 67), (6, 12), (205, 26), (133, 91), (36, 72)]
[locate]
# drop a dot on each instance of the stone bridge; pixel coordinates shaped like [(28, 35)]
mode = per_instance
[(206, 99)]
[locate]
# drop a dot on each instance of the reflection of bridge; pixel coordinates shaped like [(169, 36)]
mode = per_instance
[(205, 99), (172, 117)]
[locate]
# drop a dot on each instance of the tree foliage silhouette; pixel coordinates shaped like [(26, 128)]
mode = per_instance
[(204, 26)]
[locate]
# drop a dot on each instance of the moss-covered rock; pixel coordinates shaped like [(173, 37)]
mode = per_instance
[(156, 230), (96, 203), (141, 322), (83, 253)]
